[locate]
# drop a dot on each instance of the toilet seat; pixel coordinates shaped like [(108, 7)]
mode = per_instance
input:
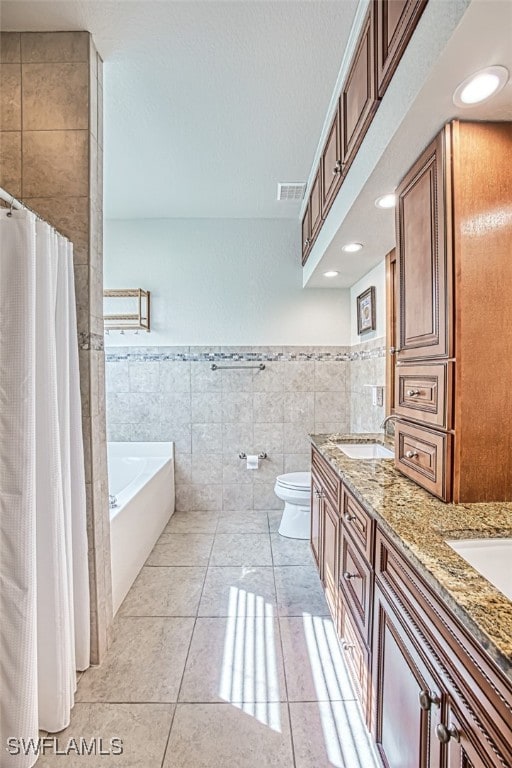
[(295, 481)]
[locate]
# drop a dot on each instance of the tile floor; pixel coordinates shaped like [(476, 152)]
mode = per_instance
[(224, 657)]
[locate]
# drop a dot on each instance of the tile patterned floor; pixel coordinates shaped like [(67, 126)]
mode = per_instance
[(224, 657)]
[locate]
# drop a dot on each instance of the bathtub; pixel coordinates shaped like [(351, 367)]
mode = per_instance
[(141, 478)]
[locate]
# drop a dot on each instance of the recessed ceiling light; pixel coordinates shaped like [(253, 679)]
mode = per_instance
[(386, 201), (352, 247), (480, 86), (331, 273)]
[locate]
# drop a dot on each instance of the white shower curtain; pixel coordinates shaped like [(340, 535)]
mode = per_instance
[(44, 595)]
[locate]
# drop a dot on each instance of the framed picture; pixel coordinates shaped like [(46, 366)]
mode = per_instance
[(366, 311)]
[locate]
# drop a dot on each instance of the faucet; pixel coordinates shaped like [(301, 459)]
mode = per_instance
[(391, 417)]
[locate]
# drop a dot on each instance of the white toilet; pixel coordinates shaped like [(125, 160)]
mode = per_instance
[(294, 489)]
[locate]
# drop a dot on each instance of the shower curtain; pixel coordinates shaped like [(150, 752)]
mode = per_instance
[(44, 593)]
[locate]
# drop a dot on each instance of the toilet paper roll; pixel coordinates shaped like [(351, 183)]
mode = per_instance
[(253, 462)]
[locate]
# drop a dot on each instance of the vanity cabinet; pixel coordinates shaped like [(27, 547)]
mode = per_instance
[(431, 696), (395, 21), (408, 698), (453, 260)]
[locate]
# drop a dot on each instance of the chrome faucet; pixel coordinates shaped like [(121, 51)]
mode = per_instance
[(391, 417)]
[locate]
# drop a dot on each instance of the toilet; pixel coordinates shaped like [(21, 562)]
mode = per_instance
[(294, 489)]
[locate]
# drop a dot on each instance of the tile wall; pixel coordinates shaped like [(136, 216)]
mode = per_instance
[(172, 394), (164, 393), (51, 157), (367, 366)]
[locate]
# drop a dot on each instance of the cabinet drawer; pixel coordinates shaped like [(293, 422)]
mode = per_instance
[(423, 393), (357, 657), (358, 522), (355, 579), (327, 477), (424, 455)]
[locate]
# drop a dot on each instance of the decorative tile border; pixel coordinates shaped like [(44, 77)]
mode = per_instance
[(187, 354)]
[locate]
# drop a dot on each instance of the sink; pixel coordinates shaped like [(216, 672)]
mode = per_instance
[(365, 451), (490, 557)]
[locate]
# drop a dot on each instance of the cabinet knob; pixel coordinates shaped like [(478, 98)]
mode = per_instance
[(411, 454), (338, 168), (348, 576), (446, 732), (394, 350), (319, 494), (349, 518), (427, 698), (306, 242), (413, 392), (347, 646)]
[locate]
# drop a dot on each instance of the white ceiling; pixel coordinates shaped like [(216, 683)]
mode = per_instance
[(208, 105)]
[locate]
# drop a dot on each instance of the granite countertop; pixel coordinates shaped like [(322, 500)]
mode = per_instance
[(419, 524)]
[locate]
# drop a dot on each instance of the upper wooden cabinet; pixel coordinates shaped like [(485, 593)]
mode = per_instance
[(395, 21), (306, 234), (331, 166), (386, 31), (315, 206), (424, 259), (358, 102), (454, 306)]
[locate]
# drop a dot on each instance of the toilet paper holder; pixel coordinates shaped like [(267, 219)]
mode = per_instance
[(243, 455)]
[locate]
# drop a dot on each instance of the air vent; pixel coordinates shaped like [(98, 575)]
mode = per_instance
[(290, 191)]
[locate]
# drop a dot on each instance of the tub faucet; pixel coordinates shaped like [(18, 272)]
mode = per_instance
[(391, 417)]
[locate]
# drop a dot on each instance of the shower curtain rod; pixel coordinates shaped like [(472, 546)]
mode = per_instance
[(12, 202)]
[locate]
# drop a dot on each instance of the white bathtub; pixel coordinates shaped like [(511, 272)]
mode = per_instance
[(141, 477)]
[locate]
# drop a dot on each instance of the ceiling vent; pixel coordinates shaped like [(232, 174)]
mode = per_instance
[(290, 191)]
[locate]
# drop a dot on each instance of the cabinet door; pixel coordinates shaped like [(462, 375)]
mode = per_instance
[(316, 519), (330, 553), (407, 697), (395, 21), (358, 103), (356, 581), (423, 259), (306, 234), (331, 165), (315, 205), (464, 746)]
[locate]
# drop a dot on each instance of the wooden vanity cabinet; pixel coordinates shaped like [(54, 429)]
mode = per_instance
[(466, 698), (430, 694), (395, 21), (453, 258)]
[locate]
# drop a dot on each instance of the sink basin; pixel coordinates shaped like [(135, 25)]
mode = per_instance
[(491, 558), (365, 451)]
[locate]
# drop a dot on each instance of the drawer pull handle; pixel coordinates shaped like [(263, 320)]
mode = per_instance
[(338, 168), (413, 392), (348, 576), (411, 454), (306, 242), (347, 646), (446, 733), (427, 698), (319, 494), (349, 518)]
